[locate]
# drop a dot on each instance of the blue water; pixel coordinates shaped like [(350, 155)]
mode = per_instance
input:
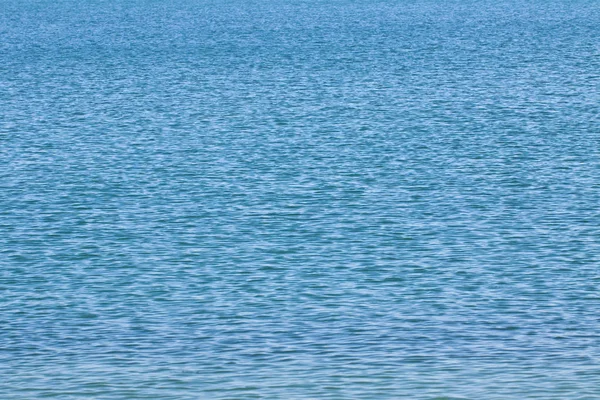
[(280, 199)]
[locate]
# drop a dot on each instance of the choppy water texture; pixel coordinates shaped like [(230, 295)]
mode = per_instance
[(299, 199)]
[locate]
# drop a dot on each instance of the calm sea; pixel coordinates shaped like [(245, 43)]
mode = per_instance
[(307, 199)]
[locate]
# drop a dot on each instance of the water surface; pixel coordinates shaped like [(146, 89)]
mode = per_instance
[(299, 199)]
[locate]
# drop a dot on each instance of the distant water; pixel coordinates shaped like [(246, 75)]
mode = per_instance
[(286, 199)]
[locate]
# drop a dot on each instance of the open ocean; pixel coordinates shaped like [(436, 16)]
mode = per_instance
[(278, 199)]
